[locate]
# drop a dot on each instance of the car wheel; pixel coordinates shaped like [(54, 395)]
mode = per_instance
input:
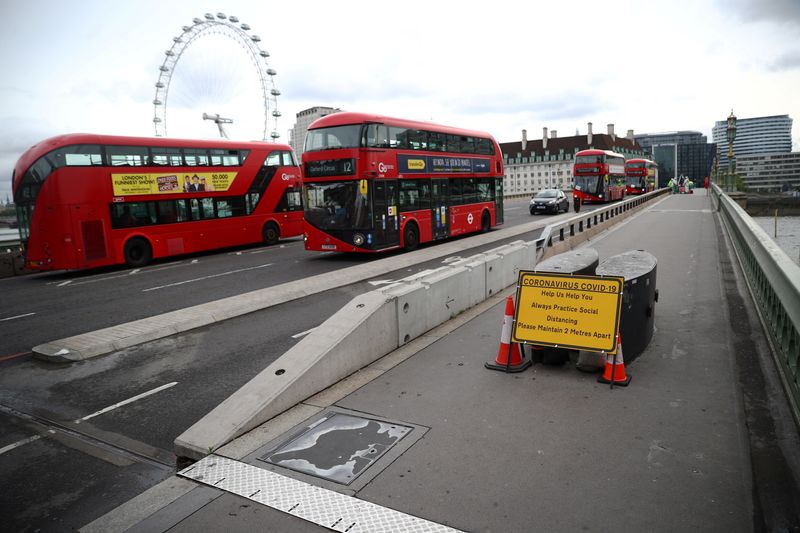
[(532, 210)]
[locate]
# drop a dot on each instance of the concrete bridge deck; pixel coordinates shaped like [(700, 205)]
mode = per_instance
[(701, 440)]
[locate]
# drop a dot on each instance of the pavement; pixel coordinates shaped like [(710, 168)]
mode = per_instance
[(550, 448)]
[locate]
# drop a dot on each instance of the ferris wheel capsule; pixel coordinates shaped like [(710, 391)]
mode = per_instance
[(245, 27), (209, 16), (221, 16), (263, 53), (233, 19)]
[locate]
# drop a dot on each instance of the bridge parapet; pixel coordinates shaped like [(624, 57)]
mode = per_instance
[(774, 283)]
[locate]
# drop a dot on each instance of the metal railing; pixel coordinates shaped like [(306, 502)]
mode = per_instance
[(578, 227), (774, 282)]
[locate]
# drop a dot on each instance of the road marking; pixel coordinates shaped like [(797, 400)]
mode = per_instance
[(22, 442), (381, 282), (134, 271), (64, 283), (14, 356), (126, 402), (303, 334), (16, 317), (194, 261), (206, 277), (511, 208)]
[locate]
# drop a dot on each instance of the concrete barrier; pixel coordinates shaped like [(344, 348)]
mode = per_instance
[(378, 322)]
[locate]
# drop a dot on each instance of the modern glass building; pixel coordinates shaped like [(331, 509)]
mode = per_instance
[(679, 153), (759, 135)]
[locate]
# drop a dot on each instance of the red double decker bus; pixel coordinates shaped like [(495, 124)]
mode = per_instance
[(374, 183), (599, 176), (641, 176), (86, 201)]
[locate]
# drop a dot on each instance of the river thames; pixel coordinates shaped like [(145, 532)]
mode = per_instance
[(788, 234)]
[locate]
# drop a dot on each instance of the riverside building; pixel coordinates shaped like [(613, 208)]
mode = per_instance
[(546, 163)]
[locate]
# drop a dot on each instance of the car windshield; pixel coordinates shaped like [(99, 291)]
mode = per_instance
[(547, 194)]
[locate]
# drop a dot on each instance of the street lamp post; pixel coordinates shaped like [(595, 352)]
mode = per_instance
[(731, 135)]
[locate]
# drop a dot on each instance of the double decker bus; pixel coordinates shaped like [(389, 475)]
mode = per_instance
[(641, 175), (374, 183), (599, 176), (86, 201)]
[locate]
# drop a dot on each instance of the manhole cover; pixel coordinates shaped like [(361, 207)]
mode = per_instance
[(338, 447)]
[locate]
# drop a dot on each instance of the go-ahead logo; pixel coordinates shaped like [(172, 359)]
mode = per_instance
[(383, 167)]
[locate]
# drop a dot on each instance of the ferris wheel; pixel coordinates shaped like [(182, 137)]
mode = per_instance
[(263, 90)]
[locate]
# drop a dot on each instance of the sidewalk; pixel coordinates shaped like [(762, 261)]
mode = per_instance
[(547, 449)]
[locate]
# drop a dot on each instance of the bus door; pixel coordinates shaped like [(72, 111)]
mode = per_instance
[(498, 200), (88, 234), (386, 220), (439, 196)]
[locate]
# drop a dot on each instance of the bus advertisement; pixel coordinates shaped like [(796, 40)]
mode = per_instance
[(599, 176), (374, 183), (641, 176), (86, 201)]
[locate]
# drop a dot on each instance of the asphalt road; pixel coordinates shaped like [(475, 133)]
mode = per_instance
[(78, 440)]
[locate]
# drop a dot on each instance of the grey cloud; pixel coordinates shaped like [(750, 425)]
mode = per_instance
[(787, 61), (544, 107), (786, 12)]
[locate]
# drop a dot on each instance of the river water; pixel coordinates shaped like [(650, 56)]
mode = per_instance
[(788, 234)]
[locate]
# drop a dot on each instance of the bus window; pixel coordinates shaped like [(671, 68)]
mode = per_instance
[(129, 156), (398, 138), (166, 156), (289, 159), (273, 159), (82, 155), (376, 136), (436, 141), (195, 157), (417, 139)]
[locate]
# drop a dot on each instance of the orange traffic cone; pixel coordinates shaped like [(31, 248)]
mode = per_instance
[(614, 372), (508, 358)]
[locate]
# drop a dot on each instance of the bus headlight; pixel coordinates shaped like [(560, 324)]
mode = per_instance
[(358, 239)]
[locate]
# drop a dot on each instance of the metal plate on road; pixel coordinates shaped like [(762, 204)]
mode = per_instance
[(567, 311), (339, 447)]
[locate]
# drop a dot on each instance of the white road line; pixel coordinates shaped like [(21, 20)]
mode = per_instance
[(134, 271), (511, 208), (64, 283), (15, 317), (303, 334), (126, 402), (206, 277), (22, 442)]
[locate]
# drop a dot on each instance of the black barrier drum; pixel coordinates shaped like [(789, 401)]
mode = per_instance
[(639, 297), (578, 262)]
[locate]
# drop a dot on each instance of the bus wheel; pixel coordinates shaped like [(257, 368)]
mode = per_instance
[(410, 237), (271, 233), (137, 252), (486, 222)]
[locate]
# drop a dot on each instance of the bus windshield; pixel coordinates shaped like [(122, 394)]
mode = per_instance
[(589, 184), (333, 138), (588, 159), (635, 165), (336, 205)]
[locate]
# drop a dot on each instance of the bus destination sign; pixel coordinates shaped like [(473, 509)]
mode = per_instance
[(330, 167), (575, 312)]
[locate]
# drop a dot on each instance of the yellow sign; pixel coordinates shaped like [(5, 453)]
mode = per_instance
[(416, 164), (171, 183), (363, 187), (576, 312)]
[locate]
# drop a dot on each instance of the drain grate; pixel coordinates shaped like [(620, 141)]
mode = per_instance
[(338, 447)]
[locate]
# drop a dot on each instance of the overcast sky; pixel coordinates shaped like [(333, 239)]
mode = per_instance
[(498, 66)]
